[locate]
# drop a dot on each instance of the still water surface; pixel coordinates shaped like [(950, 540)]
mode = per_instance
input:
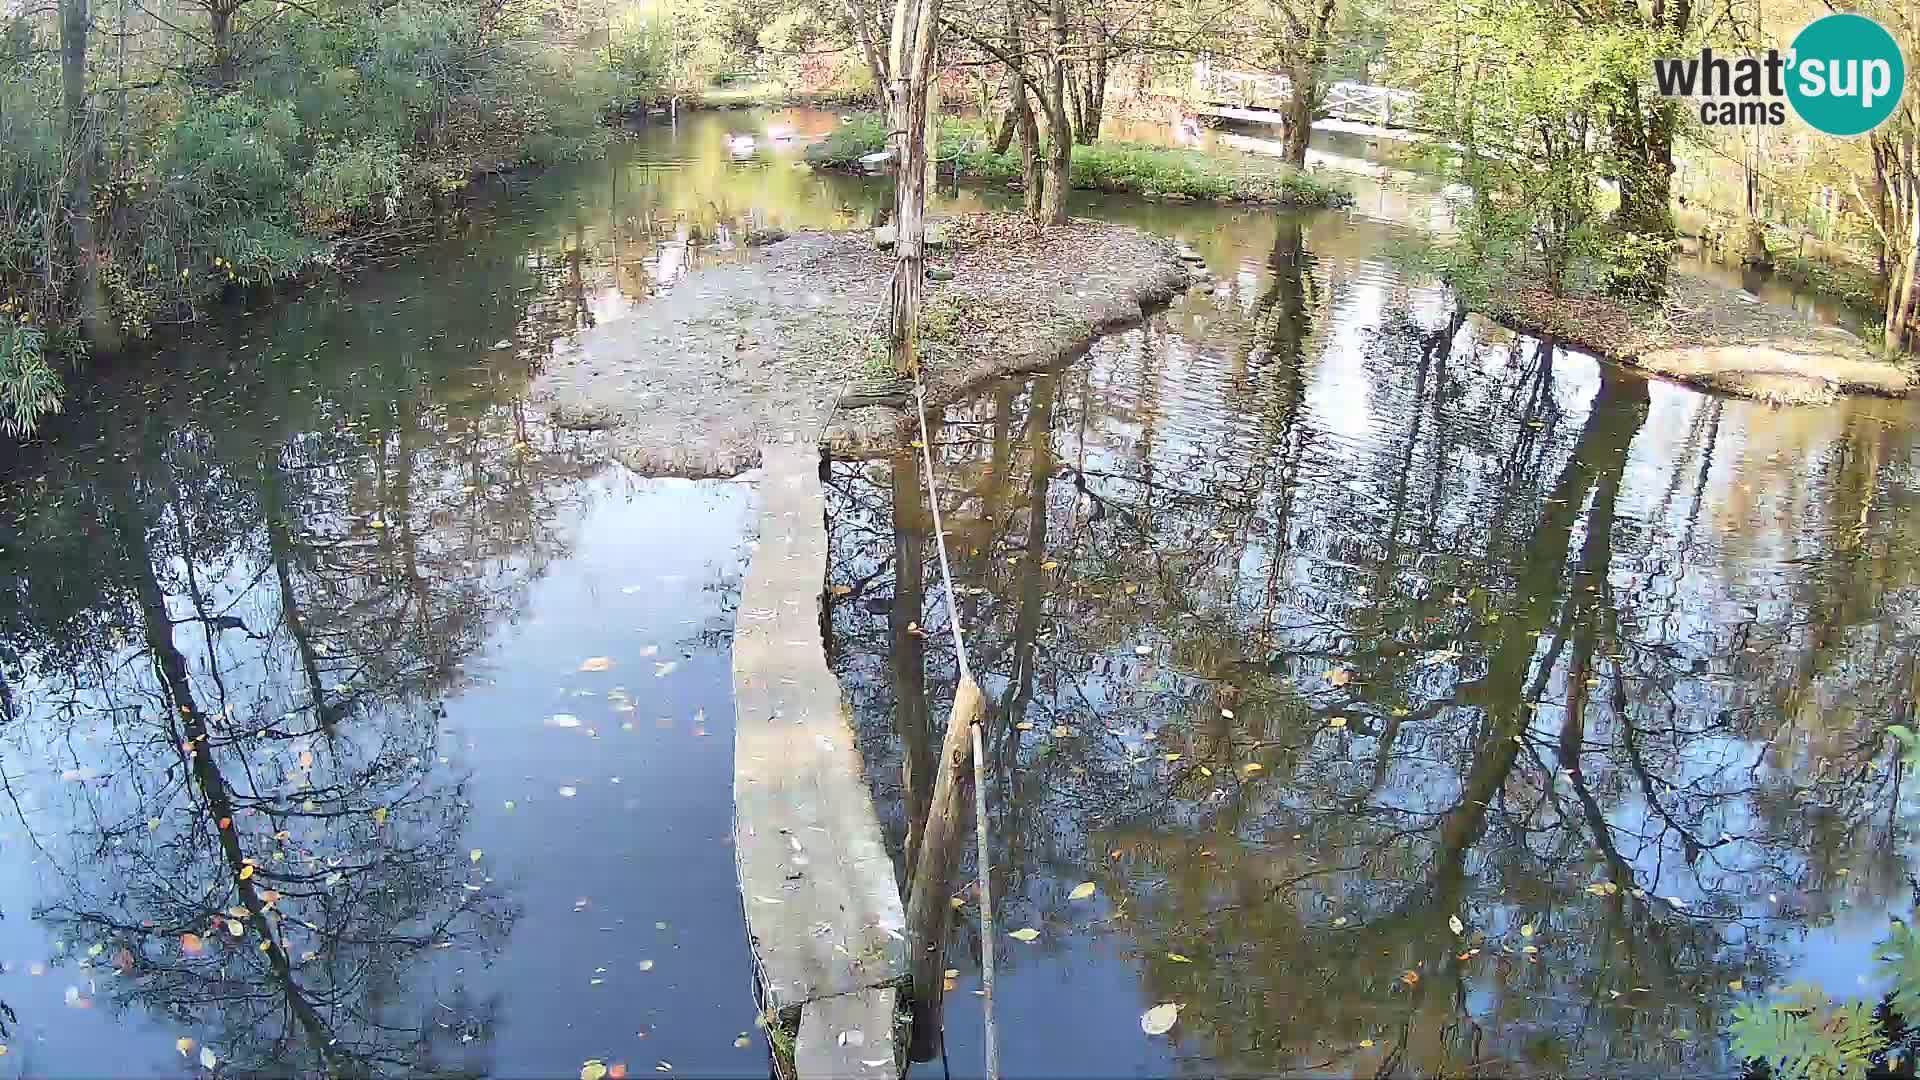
[(355, 719)]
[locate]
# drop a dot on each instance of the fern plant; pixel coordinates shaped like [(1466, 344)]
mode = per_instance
[(1807, 1035)]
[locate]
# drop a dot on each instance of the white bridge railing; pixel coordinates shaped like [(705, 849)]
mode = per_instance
[(1257, 91)]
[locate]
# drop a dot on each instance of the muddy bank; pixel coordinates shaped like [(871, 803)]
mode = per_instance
[(691, 384), (1712, 337)]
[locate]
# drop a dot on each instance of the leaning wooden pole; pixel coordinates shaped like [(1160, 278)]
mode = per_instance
[(928, 893)]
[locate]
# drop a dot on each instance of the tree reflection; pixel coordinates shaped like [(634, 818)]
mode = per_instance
[(237, 618), (1298, 679)]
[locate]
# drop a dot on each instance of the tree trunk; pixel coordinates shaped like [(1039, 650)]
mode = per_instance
[(220, 20), (1032, 177), (869, 49), (82, 166), (1091, 96), (1053, 201), (1299, 116), (911, 63), (1900, 300)]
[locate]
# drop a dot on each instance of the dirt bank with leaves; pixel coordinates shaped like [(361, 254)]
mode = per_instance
[(690, 384), (1710, 336)]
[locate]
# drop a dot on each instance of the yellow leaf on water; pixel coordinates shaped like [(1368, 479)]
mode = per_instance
[(1170, 758), (596, 663), (1025, 934), (1736, 986), (952, 973), (1458, 926), (1340, 921), (474, 855), (234, 928), (1081, 891), (1160, 1019), (1251, 767), (1024, 725), (379, 815), (1178, 959), (1339, 676), (1062, 731), (96, 949), (1526, 930), (184, 1045), (1337, 722), (1366, 1044), (593, 1070), (1049, 565), (246, 872), (153, 824)]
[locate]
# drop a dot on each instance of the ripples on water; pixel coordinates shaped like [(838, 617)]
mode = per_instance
[(296, 619), (1315, 614)]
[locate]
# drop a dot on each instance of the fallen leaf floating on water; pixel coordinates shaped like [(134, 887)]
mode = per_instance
[(1337, 722), (1025, 934), (662, 670), (569, 791), (593, 1070), (1340, 921), (1410, 977), (563, 720), (596, 663), (379, 815), (1178, 959), (1526, 930), (246, 872), (617, 1071), (1143, 650), (1062, 731), (184, 1045), (741, 1042), (1366, 1044), (1081, 891), (1458, 926), (206, 1057), (1339, 676), (1251, 767), (1736, 986), (1160, 1019), (235, 928), (191, 944), (474, 855)]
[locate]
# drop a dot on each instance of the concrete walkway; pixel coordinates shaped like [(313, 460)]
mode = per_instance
[(824, 915)]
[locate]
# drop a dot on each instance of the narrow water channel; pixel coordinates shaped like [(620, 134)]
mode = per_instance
[(355, 720)]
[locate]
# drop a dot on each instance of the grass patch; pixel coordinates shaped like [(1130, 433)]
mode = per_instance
[(1118, 167)]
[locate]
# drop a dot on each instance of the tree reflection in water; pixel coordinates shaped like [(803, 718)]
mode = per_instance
[(232, 637), (1313, 617)]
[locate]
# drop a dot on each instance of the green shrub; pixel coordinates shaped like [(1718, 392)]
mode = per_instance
[(857, 136), (29, 387), (352, 181)]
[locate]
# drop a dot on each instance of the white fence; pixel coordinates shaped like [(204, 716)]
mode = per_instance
[(1260, 92)]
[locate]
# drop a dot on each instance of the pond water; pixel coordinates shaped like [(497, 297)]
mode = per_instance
[(353, 719)]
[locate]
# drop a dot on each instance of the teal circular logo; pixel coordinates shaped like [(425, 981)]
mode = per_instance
[(1845, 74)]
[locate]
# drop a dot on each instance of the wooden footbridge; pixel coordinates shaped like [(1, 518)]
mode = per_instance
[(1260, 97)]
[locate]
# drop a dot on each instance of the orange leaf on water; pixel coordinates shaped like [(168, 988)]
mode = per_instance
[(191, 944)]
